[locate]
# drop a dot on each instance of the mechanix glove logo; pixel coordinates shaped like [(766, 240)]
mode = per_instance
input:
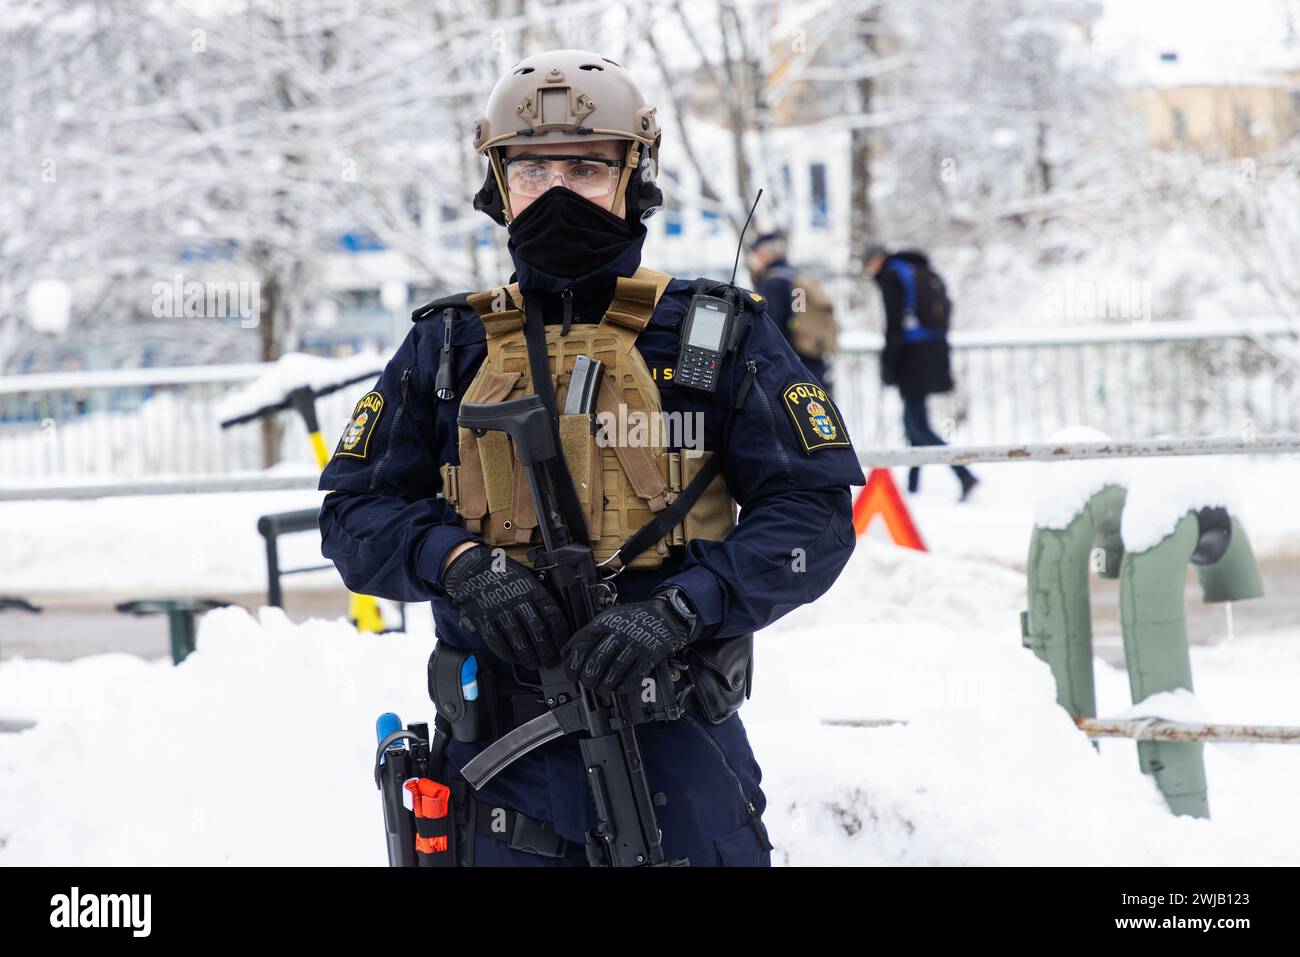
[(815, 417), (356, 437)]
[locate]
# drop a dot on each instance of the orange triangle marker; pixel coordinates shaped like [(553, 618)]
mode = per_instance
[(880, 497)]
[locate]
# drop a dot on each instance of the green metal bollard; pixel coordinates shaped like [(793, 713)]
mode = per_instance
[(180, 614), (1155, 632), (1235, 576), (1058, 624)]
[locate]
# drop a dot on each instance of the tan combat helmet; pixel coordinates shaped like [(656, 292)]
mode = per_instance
[(568, 96)]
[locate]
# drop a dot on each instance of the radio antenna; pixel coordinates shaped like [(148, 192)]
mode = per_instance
[(741, 244)]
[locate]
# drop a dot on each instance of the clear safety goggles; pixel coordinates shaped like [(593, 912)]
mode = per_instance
[(585, 175)]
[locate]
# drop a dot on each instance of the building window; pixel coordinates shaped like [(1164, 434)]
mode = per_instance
[(817, 191), (671, 215), (413, 204), (1180, 125), (1242, 114)]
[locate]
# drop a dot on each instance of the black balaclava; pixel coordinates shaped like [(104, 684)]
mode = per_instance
[(567, 235)]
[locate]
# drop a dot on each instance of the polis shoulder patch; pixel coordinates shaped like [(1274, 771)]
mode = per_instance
[(815, 417), (356, 437)]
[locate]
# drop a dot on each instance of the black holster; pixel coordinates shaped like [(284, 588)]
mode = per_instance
[(470, 720), (722, 673)]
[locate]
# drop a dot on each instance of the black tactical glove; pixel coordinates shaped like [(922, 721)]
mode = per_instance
[(505, 603), (623, 643)]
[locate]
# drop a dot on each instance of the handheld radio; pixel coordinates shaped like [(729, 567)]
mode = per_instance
[(709, 328)]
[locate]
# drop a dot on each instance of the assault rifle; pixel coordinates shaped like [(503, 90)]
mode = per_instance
[(626, 832)]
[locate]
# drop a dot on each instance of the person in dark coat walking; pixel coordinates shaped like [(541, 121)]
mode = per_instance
[(915, 357)]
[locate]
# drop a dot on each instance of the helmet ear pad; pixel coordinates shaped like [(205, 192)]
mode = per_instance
[(644, 196), (489, 199)]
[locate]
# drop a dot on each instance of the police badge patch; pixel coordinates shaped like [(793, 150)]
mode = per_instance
[(815, 417), (356, 437)]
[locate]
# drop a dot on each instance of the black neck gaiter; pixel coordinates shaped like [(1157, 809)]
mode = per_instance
[(568, 236)]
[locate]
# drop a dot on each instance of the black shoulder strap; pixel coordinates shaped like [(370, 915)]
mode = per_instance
[(539, 367), (665, 521)]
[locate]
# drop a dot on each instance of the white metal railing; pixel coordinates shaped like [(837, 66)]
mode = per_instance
[(142, 423), (1013, 386), (869, 457), (1164, 447), (1137, 380)]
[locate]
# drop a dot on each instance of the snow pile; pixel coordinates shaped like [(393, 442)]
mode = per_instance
[(1062, 489), (988, 770), (1177, 705), (996, 524), (155, 545), (294, 370), (255, 751), (265, 735), (1165, 490), (200, 544)]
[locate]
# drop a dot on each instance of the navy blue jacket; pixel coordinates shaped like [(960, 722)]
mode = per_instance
[(776, 285), (921, 367), (388, 531)]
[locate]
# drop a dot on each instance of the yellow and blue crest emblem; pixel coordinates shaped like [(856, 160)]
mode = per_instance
[(356, 435), (814, 416), (821, 421)]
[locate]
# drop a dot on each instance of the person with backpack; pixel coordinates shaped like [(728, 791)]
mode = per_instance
[(797, 303), (915, 358)]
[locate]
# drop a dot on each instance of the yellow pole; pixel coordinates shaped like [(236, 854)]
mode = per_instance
[(318, 446)]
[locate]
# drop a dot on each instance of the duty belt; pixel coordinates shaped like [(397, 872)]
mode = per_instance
[(519, 831)]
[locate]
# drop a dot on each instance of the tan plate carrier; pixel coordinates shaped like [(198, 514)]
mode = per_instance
[(622, 480)]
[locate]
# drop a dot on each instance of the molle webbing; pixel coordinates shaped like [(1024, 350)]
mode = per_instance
[(634, 302), (621, 485), (501, 309)]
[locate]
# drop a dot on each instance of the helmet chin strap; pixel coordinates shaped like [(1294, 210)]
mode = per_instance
[(495, 159), (631, 158)]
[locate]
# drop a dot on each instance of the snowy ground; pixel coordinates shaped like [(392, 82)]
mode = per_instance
[(208, 544), (189, 765), (151, 545), (995, 524)]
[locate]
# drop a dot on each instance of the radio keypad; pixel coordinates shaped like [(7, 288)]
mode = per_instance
[(698, 368)]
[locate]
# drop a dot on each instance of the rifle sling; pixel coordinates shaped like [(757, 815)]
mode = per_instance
[(540, 369), (666, 520)]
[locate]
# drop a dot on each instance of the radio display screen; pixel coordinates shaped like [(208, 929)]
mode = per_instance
[(708, 322)]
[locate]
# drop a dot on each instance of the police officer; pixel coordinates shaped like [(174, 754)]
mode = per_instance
[(810, 332), (420, 510)]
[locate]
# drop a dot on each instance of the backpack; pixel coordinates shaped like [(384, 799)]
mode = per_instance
[(813, 333), (924, 294)]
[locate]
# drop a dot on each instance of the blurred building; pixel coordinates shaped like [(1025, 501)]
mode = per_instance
[(1220, 103)]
